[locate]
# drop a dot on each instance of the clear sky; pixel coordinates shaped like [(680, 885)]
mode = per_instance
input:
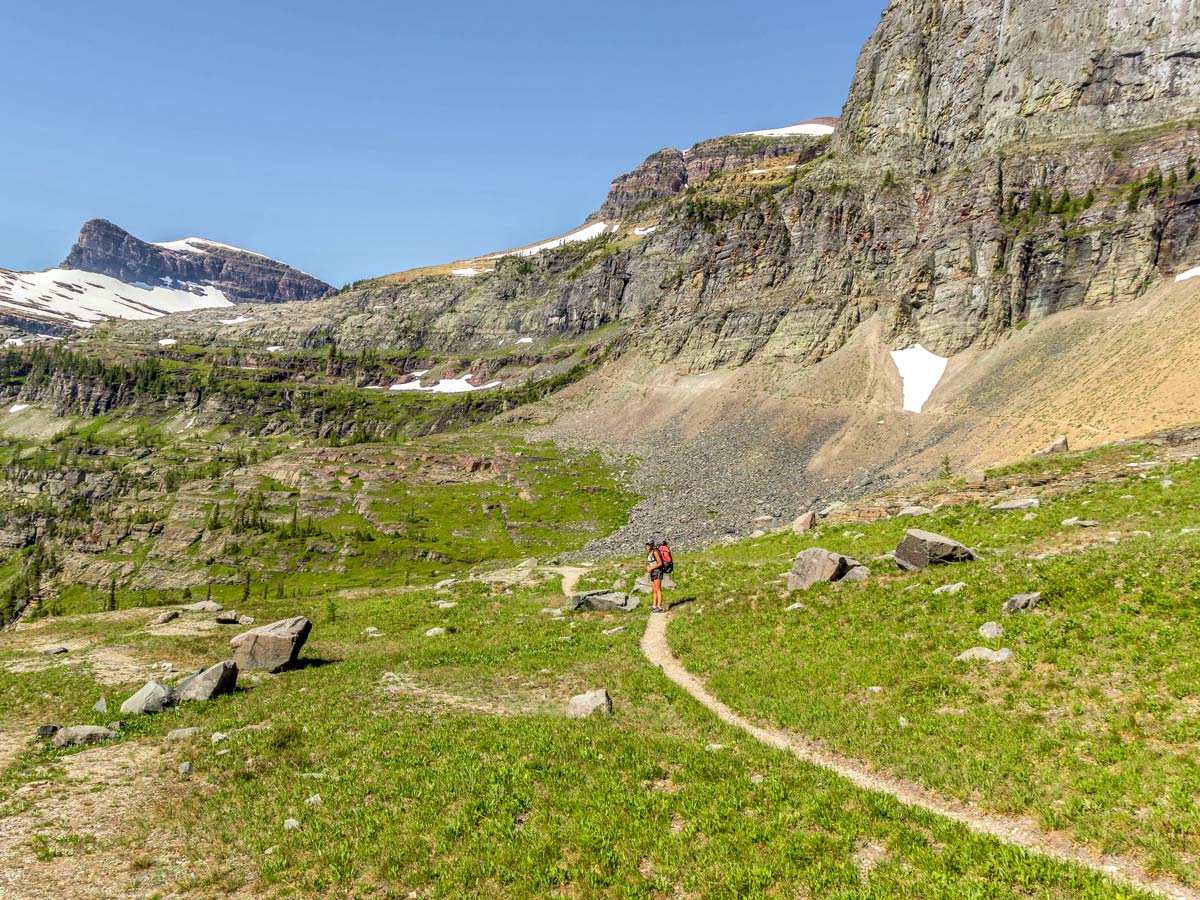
[(357, 138)]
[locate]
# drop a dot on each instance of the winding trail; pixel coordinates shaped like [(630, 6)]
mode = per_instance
[(1019, 832)]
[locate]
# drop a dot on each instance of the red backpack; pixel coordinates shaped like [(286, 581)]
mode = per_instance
[(664, 557)]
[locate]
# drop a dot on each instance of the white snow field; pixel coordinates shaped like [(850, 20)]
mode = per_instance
[(238, 321), (1190, 273), (465, 273), (85, 298), (18, 407), (649, 229), (201, 245), (167, 342), (583, 234), (445, 386), (920, 371), (813, 128)]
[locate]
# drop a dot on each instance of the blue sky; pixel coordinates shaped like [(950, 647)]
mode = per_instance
[(358, 138)]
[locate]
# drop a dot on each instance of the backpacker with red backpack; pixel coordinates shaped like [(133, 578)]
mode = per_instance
[(664, 557)]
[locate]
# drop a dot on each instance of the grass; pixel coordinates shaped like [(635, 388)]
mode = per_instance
[(1091, 730), (422, 791)]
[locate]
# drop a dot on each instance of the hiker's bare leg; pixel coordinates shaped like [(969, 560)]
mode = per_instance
[(657, 587)]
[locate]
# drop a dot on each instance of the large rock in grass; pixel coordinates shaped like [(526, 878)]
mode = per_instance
[(806, 522), (209, 683), (920, 549), (203, 606), (152, 698), (82, 734), (814, 565), (1059, 445), (583, 705), (603, 601), (271, 648)]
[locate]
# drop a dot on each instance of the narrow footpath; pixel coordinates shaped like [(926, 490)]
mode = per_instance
[(1019, 832)]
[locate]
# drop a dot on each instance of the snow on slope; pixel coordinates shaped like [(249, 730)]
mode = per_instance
[(920, 371), (200, 245), (445, 386), (69, 296), (583, 234), (813, 128), (1190, 273)]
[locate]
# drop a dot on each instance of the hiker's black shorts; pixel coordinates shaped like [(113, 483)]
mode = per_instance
[(656, 574)]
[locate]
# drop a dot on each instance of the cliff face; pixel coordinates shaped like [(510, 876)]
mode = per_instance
[(940, 82), (241, 276)]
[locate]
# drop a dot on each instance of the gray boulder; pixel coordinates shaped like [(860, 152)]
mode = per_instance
[(1059, 445), (583, 705), (1024, 503), (203, 606), (806, 522), (924, 548), (208, 683), (815, 565), (991, 630), (55, 651), (603, 601), (76, 735), (152, 698), (165, 617), (435, 632), (976, 477), (1022, 602), (271, 648), (100, 706), (983, 654), (909, 511), (227, 617), (245, 620), (182, 734), (950, 588)]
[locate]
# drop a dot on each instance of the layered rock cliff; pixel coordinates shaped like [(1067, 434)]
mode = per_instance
[(242, 276)]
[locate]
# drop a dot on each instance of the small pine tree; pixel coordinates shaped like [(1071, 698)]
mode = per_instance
[(947, 467), (246, 588)]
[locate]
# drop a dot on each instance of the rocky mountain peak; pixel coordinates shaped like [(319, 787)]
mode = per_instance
[(242, 276), (943, 82)]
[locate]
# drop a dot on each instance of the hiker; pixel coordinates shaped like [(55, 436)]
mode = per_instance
[(658, 563)]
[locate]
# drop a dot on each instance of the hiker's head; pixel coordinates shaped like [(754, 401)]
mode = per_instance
[(650, 543)]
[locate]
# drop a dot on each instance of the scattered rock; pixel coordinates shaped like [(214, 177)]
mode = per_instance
[(76, 735), (609, 632), (55, 651), (793, 607), (551, 611), (983, 654), (100, 706), (1022, 602), (924, 548), (757, 779), (814, 565), (219, 736), (229, 617), (806, 522), (182, 734), (435, 632), (152, 698), (185, 769), (976, 477), (714, 748), (913, 511), (902, 722), (45, 732), (271, 648), (245, 620), (875, 689), (1024, 503), (831, 508), (445, 604), (603, 601), (314, 800), (291, 825), (445, 584), (991, 630), (1079, 523), (583, 705), (203, 606), (530, 563), (169, 616), (209, 683), (950, 588), (1059, 445)]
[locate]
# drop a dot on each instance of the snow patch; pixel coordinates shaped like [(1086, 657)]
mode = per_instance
[(465, 273), (445, 386), (649, 229), (1190, 273), (525, 340), (920, 372), (583, 234), (758, 171), (167, 342), (814, 128), (274, 348), (202, 245), (238, 321), (17, 407), (85, 298)]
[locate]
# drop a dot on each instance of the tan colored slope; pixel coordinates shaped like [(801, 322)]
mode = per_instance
[(776, 430)]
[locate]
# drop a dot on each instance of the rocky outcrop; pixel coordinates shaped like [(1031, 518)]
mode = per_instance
[(271, 648), (243, 277)]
